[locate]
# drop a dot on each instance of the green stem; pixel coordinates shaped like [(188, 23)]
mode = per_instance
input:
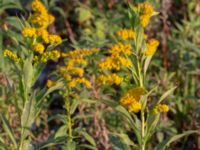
[(142, 130), (69, 120), (20, 146), (140, 78)]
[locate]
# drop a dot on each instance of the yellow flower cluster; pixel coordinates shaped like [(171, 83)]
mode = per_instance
[(11, 55), (73, 83), (52, 55), (126, 34), (117, 58), (151, 47), (114, 63), (73, 72), (50, 83), (55, 39), (80, 53), (41, 18), (110, 79), (161, 108), (120, 49), (146, 10), (43, 34), (29, 32), (39, 48), (131, 99)]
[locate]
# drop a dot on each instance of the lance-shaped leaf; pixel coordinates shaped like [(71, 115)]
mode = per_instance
[(28, 116), (167, 93), (146, 64), (27, 77), (89, 138), (125, 114), (8, 130), (164, 144)]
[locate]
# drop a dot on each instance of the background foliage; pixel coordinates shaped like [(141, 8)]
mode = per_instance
[(93, 23)]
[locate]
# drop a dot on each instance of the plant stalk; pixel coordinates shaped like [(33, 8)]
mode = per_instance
[(69, 120), (142, 130)]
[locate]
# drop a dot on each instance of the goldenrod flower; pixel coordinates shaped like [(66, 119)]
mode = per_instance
[(146, 8), (73, 72), (134, 107), (51, 19), (151, 47), (117, 59), (79, 61), (146, 11), (77, 71), (110, 79), (43, 33), (126, 34), (161, 108), (41, 18), (120, 49), (11, 55), (144, 20), (115, 63), (131, 99), (29, 32), (39, 48), (55, 39), (37, 6), (53, 55), (74, 82), (49, 83), (79, 53)]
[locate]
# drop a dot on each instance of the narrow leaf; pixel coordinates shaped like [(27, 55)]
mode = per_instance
[(167, 93), (167, 142), (88, 138), (8, 130)]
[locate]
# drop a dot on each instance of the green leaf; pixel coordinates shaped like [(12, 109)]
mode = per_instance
[(14, 21), (1, 51), (87, 146), (88, 138), (126, 140), (27, 145), (27, 77), (146, 64), (167, 142), (74, 105), (70, 146), (42, 95), (125, 114), (8, 130), (84, 14), (6, 4), (50, 142), (167, 93), (118, 144), (28, 73), (62, 131), (28, 116), (160, 136), (152, 122)]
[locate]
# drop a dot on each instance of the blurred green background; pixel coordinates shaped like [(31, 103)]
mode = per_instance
[(93, 23)]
